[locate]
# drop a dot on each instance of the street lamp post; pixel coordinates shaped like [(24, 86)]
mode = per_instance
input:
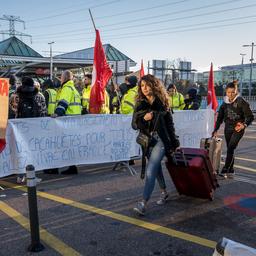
[(242, 74), (51, 59), (250, 83)]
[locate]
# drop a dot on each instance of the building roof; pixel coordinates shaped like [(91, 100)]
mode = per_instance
[(111, 52), (15, 47), (237, 67)]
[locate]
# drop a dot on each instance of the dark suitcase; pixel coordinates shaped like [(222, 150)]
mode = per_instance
[(192, 173)]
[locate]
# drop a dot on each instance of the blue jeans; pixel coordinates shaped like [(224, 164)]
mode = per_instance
[(154, 170)]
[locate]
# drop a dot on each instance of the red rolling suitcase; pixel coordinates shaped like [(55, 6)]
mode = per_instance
[(192, 173)]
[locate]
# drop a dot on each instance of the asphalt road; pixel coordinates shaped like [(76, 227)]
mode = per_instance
[(91, 213)]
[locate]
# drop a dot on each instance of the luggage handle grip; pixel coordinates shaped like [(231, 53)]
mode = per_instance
[(183, 158)]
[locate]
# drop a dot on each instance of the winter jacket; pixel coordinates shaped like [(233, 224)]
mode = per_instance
[(23, 95), (164, 126), (192, 103), (233, 112)]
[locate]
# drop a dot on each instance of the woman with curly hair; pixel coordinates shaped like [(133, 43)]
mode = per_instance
[(153, 118)]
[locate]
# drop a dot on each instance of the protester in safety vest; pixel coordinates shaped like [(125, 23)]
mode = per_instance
[(176, 99), (235, 112), (193, 100), (50, 95), (114, 97), (129, 98), (69, 102), (86, 93), (57, 86)]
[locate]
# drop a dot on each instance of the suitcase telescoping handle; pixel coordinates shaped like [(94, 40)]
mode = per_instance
[(181, 153)]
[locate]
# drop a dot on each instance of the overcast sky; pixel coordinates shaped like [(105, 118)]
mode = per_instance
[(200, 31)]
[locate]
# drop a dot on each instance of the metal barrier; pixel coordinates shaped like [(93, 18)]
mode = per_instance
[(250, 100)]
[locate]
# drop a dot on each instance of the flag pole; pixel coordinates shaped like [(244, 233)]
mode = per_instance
[(92, 19)]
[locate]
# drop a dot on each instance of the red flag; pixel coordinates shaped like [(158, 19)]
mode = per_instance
[(211, 96), (141, 69), (100, 76)]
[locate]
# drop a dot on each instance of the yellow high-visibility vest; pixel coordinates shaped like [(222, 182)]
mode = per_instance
[(86, 97), (128, 101), (176, 101), (86, 100), (105, 106), (71, 97), (52, 101)]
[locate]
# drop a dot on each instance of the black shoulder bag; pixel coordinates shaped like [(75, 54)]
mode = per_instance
[(144, 141)]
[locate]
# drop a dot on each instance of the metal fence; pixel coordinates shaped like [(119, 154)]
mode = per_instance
[(251, 100)]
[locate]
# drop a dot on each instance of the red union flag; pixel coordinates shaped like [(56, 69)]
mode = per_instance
[(141, 69), (4, 106), (100, 75), (211, 96)]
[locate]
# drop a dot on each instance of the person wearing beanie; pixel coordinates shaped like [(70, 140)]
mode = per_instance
[(27, 102), (193, 100), (176, 99), (129, 98), (132, 81)]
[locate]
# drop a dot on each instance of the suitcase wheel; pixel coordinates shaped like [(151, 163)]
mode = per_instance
[(211, 196)]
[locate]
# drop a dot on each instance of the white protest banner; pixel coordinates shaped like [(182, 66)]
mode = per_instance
[(192, 125), (90, 139)]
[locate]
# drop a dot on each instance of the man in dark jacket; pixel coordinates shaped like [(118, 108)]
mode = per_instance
[(193, 100), (27, 102), (237, 115)]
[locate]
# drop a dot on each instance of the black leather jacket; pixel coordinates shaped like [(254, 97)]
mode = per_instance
[(231, 113), (164, 126)]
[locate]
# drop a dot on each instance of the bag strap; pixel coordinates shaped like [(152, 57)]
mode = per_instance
[(158, 114)]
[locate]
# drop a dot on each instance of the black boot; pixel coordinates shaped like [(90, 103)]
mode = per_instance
[(51, 171), (71, 170)]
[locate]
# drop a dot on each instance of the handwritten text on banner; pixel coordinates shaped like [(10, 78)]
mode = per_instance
[(91, 139)]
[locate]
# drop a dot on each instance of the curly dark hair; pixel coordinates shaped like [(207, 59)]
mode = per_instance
[(157, 88)]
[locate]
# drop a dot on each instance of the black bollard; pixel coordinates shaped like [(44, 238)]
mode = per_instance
[(35, 246)]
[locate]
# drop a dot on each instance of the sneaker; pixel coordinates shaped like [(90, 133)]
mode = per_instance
[(21, 179), (223, 175), (140, 208), (163, 198), (231, 175)]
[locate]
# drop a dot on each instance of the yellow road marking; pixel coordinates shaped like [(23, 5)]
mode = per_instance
[(123, 218), (243, 168), (48, 238), (246, 159)]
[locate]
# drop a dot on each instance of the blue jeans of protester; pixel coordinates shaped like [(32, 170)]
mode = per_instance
[(154, 170)]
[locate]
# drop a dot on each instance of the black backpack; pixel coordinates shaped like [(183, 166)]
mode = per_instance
[(28, 107)]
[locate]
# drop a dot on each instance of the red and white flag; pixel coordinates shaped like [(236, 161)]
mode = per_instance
[(100, 75), (211, 96), (142, 69), (4, 106)]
